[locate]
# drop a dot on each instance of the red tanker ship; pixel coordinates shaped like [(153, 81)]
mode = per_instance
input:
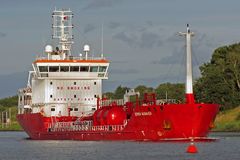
[(63, 100)]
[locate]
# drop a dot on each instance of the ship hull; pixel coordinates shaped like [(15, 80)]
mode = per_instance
[(147, 123)]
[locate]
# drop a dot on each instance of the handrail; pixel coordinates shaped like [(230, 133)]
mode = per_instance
[(85, 126), (112, 101), (73, 58), (120, 102)]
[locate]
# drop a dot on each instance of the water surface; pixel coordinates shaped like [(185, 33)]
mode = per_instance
[(14, 145)]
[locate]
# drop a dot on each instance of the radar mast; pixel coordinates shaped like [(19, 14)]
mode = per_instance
[(62, 30)]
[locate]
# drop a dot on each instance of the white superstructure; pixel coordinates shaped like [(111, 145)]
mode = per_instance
[(61, 84)]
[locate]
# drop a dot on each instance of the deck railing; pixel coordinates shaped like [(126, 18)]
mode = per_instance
[(73, 58), (163, 101), (109, 102), (85, 126), (120, 102)]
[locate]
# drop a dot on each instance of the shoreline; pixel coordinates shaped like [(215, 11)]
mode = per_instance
[(11, 130)]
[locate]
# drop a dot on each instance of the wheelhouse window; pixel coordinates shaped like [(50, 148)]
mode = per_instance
[(53, 68), (75, 109), (64, 68), (74, 69), (43, 68), (53, 109), (84, 68), (100, 74), (102, 68), (93, 68)]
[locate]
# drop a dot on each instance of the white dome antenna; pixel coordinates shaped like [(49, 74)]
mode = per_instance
[(86, 49), (48, 49)]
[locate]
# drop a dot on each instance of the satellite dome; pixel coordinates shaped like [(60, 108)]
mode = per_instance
[(48, 49), (86, 48)]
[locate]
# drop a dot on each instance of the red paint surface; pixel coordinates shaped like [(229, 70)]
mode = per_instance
[(190, 98), (146, 122)]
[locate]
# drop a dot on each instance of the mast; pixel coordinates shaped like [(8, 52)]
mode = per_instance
[(102, 42), (62, 30), (189, 80)]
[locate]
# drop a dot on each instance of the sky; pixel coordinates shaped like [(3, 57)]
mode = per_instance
[(140, 37)]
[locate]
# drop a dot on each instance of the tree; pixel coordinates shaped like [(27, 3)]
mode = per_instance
[(108, 95), (9, 101), (119, 92), (220, 80), (143, 89), (171, 91)]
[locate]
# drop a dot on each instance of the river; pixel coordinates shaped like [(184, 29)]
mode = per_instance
[(16, 146)]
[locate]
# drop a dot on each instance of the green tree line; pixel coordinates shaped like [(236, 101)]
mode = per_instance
[(220, 78), (8, 102)]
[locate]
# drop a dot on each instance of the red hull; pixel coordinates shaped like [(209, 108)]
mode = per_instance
[(152, 122)]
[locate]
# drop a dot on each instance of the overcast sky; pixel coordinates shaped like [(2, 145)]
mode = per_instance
[(140, 37)]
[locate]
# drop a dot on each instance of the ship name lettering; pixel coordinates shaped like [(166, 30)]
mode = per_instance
[(143, 113)]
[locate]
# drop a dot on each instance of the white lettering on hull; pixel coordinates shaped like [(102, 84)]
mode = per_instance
[(143, 113)]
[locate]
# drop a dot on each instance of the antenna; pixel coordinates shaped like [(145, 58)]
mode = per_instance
[(102, 43), (86, 49), (62, 30)]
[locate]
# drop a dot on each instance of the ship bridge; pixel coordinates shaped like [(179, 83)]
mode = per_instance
[(72, 68)]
